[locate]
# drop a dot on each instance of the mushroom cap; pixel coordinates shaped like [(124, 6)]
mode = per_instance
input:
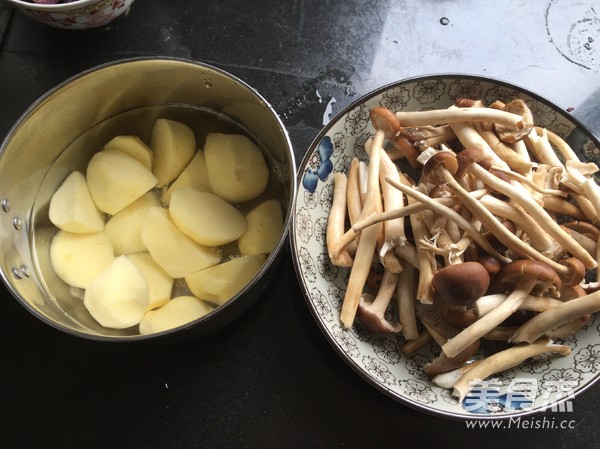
[(490, 263), (371, 319), (461, 283), (576, 271), (584, 227), (446, 159), (547, 279), (469, 156), (385, 120), (459, 317), (508, 135)]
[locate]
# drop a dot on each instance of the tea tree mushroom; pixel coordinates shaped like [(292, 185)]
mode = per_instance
[(461, 284), (335, 223), (368, 238), (504, 360), (547, 223), (557, 316), (526, 274), (458, 115), (371, 310)]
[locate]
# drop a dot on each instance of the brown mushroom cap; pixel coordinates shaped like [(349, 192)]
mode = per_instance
[(490, 263), (508, 135), (576, 271), (470, 156), (371, 319), (446, 159), (461, 283), (547, 278), (385, 120)]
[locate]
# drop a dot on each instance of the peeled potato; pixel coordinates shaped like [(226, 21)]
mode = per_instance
[(205, 217), (72, 208), (78, 258), (132, 146), (237, 169), (124, 229), (173, 145), (160, 284), (222, 282), (177, 312), (116, 180), (194, 175), (175, 252), (264, 225), (118, 296)]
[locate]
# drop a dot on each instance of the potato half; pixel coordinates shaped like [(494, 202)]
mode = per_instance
[(220, 283), (174, 251), (205, 217), (237, 169), (72, 208)]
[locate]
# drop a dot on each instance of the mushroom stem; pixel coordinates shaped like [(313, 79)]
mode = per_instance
[(442, 363), (455, 114), (405, 297), (464, 224), (504, 360), (538, 213), (336, 221), (585, 186), (533, 303), (539, 240), (489, 321), (540, 146), (488, 220), (563, 147), (427, 262), (448, 379), (514, 160), (529, 183), (556, 316), (411, 346), (392, 200), (371, 311), (353, 199), (368, 239), (564, 207)]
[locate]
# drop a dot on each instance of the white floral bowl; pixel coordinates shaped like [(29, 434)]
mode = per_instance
[(77, 15), (545, 383)]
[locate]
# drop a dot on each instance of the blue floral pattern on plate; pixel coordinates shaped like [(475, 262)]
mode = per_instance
[(319, 166)]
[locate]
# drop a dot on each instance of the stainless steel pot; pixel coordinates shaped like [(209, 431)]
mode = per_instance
[(61, 131)]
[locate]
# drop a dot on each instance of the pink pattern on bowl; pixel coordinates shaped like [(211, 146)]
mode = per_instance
[(77, 15)]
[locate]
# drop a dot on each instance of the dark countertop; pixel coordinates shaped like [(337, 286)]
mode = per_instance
[(270, 379)]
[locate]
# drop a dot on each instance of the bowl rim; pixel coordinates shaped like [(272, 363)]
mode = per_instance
[(270, 260), (294, 247), (56, 7)]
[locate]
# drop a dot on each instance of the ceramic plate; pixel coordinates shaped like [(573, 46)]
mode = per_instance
[(545, 383)]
